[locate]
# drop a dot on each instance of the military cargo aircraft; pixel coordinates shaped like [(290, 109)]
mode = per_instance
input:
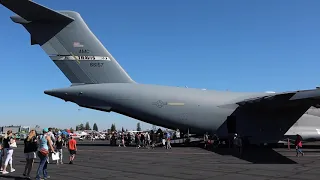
[(99, 82)]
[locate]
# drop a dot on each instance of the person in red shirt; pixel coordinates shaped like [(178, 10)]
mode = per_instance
[(72, 149), (298, 144)]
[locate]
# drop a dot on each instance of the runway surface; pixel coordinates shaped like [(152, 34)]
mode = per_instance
[(118, 163)]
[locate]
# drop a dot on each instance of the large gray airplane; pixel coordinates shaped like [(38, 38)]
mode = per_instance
[(100, 83)]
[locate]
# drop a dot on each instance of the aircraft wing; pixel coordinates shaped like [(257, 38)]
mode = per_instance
[(270, 116), (285, 99)]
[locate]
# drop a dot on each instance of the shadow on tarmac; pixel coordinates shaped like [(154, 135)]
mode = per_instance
[(256, 155), (12, 177), (306, 147), (93, 144)]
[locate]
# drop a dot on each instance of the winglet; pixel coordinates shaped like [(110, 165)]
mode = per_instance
[(31, 11)]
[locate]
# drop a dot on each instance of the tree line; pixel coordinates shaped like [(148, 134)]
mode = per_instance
[(82, 127), (113, 128)]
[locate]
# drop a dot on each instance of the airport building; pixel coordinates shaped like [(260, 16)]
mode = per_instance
[(15, 129)]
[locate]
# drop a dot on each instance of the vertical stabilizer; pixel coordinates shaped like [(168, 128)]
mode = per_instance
[(67, 40)]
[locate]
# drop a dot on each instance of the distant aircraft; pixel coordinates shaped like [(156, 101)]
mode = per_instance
[(99, 82)]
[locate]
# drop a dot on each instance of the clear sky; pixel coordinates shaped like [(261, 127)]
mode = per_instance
[(246, 45)]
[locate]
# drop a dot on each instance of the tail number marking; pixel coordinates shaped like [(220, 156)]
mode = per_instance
[(87, 58), (96, 64)]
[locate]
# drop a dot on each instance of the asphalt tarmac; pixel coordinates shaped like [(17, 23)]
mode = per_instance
[(97, 161)]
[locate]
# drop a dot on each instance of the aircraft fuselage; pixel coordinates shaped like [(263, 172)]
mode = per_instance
[(171, 107)]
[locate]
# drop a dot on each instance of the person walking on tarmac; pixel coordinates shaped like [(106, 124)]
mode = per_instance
[(168, 139), (72, 149), (53, 140), (298, 144), (45, 146), (206, 139), (237, 142), (216, 141)]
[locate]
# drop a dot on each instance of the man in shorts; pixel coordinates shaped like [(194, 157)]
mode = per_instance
[(72, 149)]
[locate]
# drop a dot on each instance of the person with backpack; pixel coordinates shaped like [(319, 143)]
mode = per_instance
[(45, 145)]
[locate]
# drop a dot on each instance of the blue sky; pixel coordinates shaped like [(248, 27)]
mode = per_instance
[(244, 45)]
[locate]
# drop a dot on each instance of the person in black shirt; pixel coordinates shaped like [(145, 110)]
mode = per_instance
[(142, 139), (30, 149), (59, 144)]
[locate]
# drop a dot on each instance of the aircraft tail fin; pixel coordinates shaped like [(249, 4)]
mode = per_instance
[(68, 41)]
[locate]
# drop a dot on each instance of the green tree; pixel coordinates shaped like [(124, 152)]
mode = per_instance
[(95, 127), (138, 127), (87, 126), (113, 127), (80, 127), (71, 130), (77, 128)]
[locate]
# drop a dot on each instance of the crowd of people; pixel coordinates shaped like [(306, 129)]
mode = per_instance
[(50, 143), (143, 139), (41, 146)]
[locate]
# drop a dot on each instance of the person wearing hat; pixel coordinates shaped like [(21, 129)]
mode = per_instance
[(45, 146)]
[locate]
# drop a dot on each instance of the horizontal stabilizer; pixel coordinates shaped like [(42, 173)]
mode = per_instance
[(32, 15), (32, 11)]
